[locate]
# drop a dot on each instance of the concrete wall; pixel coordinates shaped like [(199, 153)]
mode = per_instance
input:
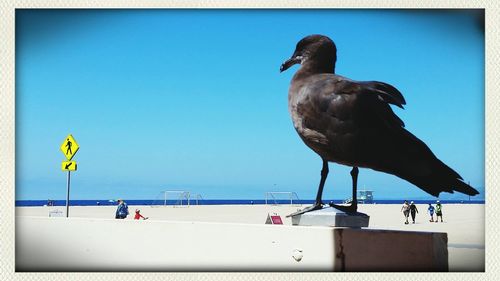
[(61, 244), (78, 244)]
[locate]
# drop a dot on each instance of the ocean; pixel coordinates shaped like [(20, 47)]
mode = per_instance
[(131, 202)]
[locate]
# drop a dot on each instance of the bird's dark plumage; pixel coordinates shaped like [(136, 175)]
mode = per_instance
[(352, 123)]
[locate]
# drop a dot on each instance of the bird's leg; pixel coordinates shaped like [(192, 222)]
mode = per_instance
[(324, 174), (354, 203), (318, 204), (354, 175)]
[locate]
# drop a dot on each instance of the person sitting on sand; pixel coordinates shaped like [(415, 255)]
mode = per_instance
[(431, 212), (413, 211), (406, 210), (439, 211), (138, 215), (121, 210)]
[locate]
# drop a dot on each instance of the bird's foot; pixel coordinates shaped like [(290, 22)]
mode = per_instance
[(347, 209), (306, 210)]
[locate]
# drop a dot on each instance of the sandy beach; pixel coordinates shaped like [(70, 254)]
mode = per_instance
[(464, 223)]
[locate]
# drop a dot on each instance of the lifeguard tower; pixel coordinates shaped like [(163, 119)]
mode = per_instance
[(364, 197)]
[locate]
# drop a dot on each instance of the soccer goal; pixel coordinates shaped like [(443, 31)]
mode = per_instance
[(282, 197), (195, 199), (175, 198)]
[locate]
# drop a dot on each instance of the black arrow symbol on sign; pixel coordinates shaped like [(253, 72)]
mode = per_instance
[(67, 165)]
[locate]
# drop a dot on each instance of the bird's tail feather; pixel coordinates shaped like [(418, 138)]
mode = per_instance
[(443, 179), (425, 170), (462, 187)]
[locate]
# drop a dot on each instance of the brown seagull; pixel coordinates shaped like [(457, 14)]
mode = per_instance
[(351, 123)]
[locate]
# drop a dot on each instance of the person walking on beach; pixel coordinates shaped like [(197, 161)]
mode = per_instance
[(413, 211), (431, 212), (406, 210), (439, 211), (138, 215), (121, 210)]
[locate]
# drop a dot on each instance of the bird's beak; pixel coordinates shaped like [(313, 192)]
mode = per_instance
[(288, 63)]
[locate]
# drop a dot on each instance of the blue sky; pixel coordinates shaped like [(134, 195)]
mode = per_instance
[(193, 99)]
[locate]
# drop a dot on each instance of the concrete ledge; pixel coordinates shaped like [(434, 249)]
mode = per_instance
[(78, 244)]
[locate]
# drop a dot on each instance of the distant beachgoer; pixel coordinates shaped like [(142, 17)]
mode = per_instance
[(439, 211), (413, 211), (431, 212), (138, 215), (121, 210), (406, 210)]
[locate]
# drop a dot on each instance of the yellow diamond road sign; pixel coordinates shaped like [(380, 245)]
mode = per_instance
[(69, 147), (68, 166)]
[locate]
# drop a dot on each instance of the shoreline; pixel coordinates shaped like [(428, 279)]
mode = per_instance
[(193, 202)]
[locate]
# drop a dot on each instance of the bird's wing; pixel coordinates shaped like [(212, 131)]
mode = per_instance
[(365, 103), (385, 92)]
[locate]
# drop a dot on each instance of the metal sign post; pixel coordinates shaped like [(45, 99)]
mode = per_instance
[(67, 195), (69, 147)]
